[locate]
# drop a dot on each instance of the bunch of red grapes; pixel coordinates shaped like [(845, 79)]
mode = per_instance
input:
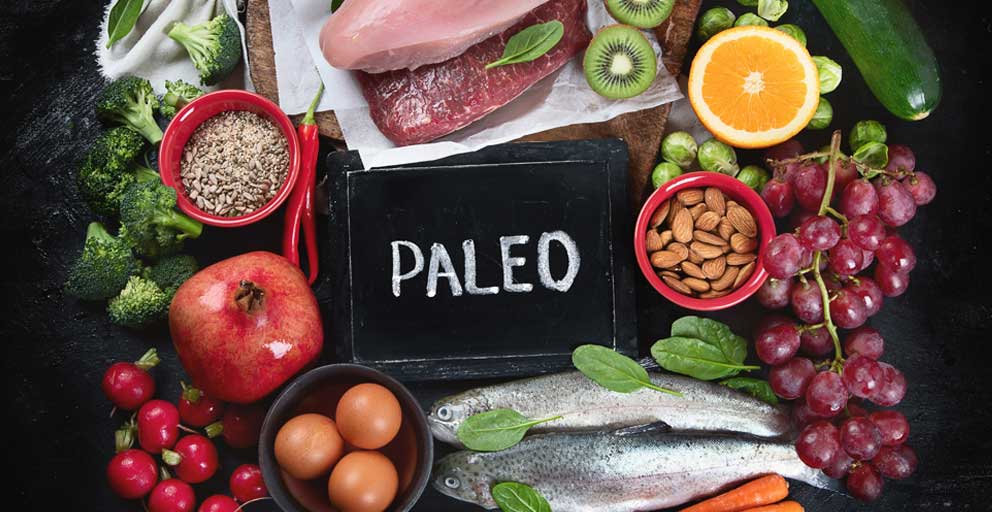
[(841, 257)]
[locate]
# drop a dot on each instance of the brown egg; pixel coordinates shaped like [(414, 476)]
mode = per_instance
[(369, 416), (363, 482), (308, 446)]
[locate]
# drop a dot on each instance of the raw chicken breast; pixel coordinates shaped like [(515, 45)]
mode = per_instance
[(383, 35)]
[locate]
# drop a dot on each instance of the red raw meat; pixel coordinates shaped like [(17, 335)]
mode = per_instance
[(413, 107)]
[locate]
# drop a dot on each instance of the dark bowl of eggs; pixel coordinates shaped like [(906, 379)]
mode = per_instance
[(345, 437)]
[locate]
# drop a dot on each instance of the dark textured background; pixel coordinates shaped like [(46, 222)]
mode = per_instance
[(55, 350)]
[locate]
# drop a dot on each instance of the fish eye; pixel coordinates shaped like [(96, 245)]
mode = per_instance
[(444, 413), (451, 482)]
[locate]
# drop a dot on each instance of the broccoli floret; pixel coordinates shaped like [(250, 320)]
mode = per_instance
[(140, 303), (103, 267), (214, 46), (150, 220), (130, 101), (177, 95), (109, 168), (172, 271)]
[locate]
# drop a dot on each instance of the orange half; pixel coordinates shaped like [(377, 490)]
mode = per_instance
[(754, 87)]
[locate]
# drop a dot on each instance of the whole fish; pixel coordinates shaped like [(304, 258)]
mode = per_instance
[(586, 406), (621, 472)]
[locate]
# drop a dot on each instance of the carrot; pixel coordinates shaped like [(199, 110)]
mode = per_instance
[(763, 491), (782, 506)]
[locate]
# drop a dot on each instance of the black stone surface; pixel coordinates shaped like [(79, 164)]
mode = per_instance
[(55, 350)]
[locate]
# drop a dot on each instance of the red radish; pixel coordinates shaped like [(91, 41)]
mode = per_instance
[(129, 385), (158, 426), (172, 495), (132, 474), (196, 409), (240, 426), (247, 483), (194, 459), (218, 503)]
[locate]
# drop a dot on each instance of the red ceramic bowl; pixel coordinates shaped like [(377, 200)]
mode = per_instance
[(199, 110), (735, 190)]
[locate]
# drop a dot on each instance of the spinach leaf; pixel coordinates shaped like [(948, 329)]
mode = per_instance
[(530, 43), (734, 347), (755, 387), (496, 430), (612, 370), (695, 358), (335, 4), (515, 497), (123, 15)]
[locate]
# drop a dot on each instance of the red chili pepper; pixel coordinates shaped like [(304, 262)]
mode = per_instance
[(300, 210)]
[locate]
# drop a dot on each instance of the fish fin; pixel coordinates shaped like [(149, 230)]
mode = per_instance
[(658, 426), (649, 363)]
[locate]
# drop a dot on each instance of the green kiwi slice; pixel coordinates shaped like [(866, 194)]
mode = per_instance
[(620, 62), (641, 13)]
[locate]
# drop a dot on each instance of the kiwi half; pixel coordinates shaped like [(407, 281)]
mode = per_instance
[(640, 13), (620, 62)]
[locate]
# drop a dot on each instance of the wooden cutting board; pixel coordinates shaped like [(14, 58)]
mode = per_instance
[(641, 130)]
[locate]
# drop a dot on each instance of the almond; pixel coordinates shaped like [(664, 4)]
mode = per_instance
[(660, 215), (731, 203), (726, 280), (713, 294), (695, 257), (698, 210), (665, 259), (708, 221), (653, 241), (692, 270), (679, 249), (677, 285), (716, 201), (690, 197), (737, 260), (669, 273), (682, 226), (709, 238), (742, 221), (743, 275), (715, 267), (725, 229), (707, 251), (742, 244), (673, 211), (666, 237), (696, 285)]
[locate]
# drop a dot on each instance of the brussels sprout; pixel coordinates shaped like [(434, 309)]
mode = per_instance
[(794, 31), (830, 73), (716, 156), (823, 159), (873, 154), (748, 3), (754, 177), (865, 132), (663, 173), (823, 116), (679, 148), (714, 21), (749, 18), (772, 10)]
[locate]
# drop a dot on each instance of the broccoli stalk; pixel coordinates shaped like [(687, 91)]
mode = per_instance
[(109, 168), (150, 222), (177, 95), (130, 101), (103, 268), (214, 46), (140, 303)]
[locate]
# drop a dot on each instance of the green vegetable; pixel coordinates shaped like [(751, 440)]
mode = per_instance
[(515, 497), (150, 222), (867, 131), (755, 387), (102, 269), (793, 30), (831, 73), (495, 430), (172, 271), (679, 148), (754, 176), (110, 166), (823, 116), (612, 370), (873, 154), (214, 46), (748, 3), (123, 15), (714, 21), (716, 156), (889, 49), (663, 173), (130, 101), (139, 304), (702, 348), (530, 43), (825, 159), (772, 10), (177, 95), (749, 19), (734, 347)]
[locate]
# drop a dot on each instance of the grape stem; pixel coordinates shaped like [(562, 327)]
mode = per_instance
[(825, 208)]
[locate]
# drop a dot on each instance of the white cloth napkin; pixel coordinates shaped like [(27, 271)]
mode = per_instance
[(149, 53)]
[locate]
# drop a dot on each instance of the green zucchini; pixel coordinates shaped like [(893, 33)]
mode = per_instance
[(889, 49)]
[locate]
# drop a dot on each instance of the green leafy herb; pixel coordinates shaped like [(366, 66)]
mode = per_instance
[(702, 348), (514, 497), (613, 371), (335, 4), (755, 387), (733, 347), (496, 430), (123, 15), (530, 43)]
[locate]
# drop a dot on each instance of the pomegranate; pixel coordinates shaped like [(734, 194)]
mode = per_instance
[(243, 326)]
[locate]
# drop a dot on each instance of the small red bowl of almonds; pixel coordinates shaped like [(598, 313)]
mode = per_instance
[(700, 238)]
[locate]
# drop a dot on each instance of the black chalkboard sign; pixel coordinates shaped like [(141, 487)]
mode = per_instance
[(491, 264)]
